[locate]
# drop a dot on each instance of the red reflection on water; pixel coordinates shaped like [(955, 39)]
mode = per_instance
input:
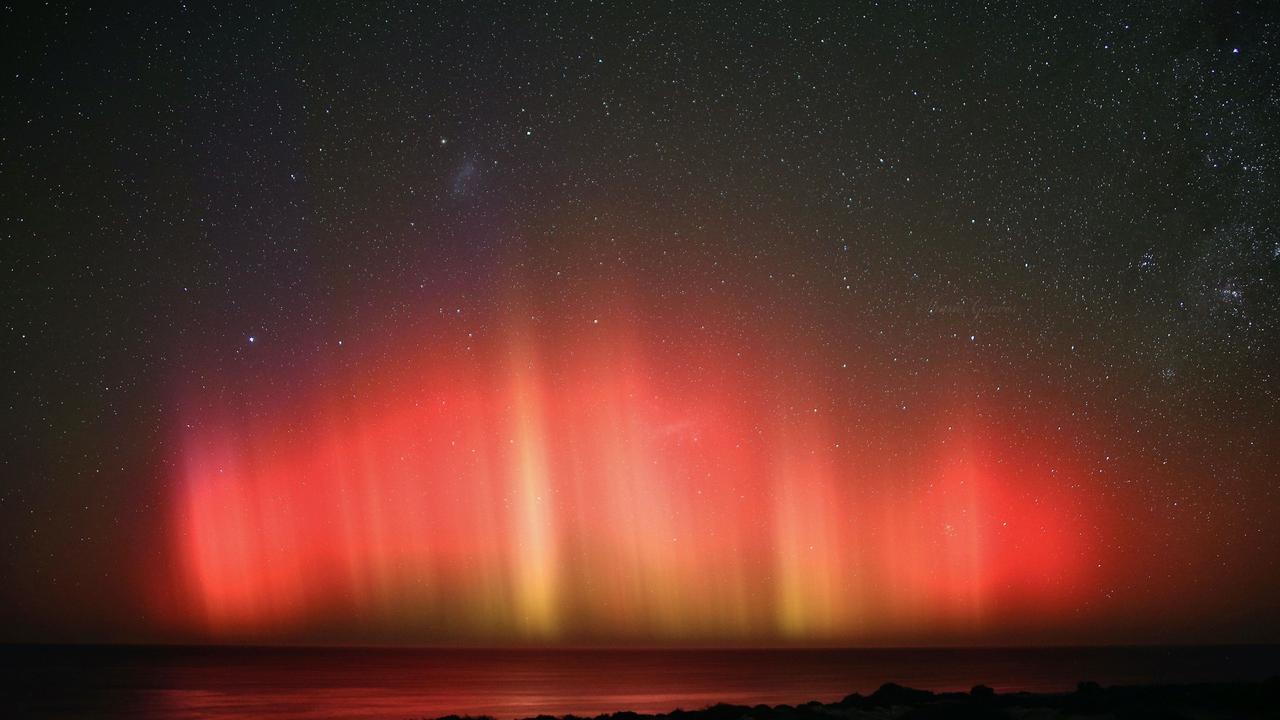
[(371, 683)]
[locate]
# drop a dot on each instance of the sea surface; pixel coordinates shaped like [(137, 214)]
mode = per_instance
[(219, 682)]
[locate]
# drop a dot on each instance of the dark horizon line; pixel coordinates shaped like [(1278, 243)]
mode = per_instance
[(613, 648)]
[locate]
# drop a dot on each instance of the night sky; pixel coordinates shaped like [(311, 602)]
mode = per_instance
[(622, 323)]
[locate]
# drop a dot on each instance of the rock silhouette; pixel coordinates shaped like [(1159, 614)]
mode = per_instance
[(1236, 701)]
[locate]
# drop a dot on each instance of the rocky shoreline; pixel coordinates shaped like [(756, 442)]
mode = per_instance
[(1243, 701)]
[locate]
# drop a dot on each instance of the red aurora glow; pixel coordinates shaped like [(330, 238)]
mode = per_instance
[(596, 488)]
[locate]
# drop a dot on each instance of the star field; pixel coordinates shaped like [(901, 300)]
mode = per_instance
[(877, 231)]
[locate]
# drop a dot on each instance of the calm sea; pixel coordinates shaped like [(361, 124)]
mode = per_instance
[(414, 683)]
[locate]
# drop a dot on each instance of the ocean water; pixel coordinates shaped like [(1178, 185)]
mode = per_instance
[(205, 682)]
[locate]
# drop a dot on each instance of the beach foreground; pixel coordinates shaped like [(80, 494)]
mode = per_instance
[(1089, 700)]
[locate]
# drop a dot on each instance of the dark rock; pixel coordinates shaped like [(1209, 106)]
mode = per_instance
[(855, 699), (1245, 701), (891, 694)]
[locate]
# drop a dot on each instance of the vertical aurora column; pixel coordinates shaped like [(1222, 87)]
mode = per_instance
[(534, 568)]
